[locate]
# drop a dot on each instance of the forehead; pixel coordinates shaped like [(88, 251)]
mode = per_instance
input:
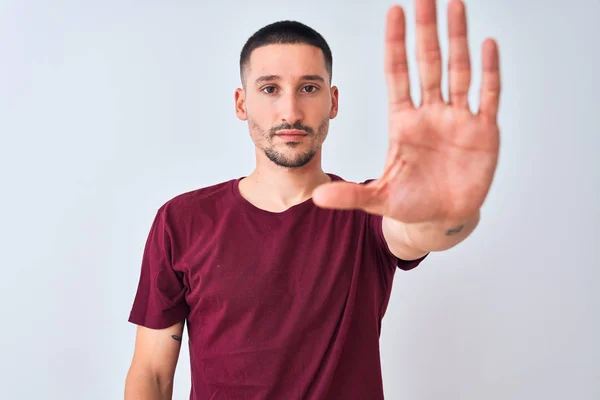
[(286, 60)]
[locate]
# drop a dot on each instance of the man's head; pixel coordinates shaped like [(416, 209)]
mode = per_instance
[(286, 70)]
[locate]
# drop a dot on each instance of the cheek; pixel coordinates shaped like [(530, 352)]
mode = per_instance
[(260, 106), (259, 114), (257, 132), (317, 110), (323, 128)]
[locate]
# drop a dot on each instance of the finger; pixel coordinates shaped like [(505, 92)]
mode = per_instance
[(429, 56), (396, 65), (490, 81), (459, 61), (343, 195)]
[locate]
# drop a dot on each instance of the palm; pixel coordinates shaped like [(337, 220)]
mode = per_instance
[(440, 165), (441, 158)]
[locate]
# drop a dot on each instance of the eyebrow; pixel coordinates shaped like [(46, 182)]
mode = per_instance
[(268, 78)]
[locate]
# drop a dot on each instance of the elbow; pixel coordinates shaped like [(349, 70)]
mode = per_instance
[(143, 383)]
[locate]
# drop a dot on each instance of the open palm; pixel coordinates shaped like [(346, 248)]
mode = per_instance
[(441, 157)]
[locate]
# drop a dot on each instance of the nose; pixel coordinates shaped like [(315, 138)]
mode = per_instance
[(291, 110)]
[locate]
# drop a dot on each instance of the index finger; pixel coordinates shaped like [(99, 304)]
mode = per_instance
[(396, 65)]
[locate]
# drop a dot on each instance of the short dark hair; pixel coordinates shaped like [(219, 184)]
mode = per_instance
[(285, 32)]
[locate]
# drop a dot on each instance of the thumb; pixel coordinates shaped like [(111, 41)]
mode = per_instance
[(343, 195)]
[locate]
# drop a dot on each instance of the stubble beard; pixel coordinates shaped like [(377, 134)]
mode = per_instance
[(295, 160)]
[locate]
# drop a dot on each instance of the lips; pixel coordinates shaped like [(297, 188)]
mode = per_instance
[(291, 135), (291, 132)]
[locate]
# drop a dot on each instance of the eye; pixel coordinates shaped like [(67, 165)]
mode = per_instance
[(268, 89), (313, 87)]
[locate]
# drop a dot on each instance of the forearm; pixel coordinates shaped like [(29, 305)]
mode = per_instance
[(411, 241), (144, 385), (440, 235)]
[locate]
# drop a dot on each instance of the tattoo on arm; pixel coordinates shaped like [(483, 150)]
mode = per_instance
[(178, 338), (454, 231)]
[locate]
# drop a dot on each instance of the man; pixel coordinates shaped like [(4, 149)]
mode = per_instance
[(284, 276)]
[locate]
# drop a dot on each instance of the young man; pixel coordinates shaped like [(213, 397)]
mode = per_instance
[(284, 276)]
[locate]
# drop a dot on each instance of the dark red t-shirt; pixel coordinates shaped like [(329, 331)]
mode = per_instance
[(278, 305)]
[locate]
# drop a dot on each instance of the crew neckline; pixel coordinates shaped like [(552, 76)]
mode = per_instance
[(297, 208)]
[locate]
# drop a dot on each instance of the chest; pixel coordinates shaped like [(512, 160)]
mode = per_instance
[(261, 283), (254, 262)]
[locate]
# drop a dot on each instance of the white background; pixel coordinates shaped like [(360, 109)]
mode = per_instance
[(108, 109)]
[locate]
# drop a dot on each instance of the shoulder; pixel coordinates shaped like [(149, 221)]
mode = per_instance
[(199, 201), (335, 177), (210, 193)]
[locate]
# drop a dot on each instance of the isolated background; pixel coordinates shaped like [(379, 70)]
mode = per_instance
[(108, 109)]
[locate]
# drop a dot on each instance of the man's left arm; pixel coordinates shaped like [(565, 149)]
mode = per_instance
[(413, 241), (441, 156)]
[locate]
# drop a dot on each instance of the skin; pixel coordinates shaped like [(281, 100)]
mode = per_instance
[(286, 87), (152, 370)]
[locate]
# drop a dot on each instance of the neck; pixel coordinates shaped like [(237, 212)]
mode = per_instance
[(275, 188)]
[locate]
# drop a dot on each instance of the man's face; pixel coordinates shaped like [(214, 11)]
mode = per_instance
[(288, 102)]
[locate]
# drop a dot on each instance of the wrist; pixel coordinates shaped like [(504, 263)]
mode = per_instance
[(441, 234)]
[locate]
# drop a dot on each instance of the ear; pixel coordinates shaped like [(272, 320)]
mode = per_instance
[(240, 104), (334, 102)]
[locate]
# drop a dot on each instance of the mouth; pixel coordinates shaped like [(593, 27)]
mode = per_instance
[(290, 135), (291, 132)]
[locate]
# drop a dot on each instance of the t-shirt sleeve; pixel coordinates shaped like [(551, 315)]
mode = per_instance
[(160, 299), (377, 227), (375, 224)]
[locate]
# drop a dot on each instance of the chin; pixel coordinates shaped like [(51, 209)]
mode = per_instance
[(290, 159)]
